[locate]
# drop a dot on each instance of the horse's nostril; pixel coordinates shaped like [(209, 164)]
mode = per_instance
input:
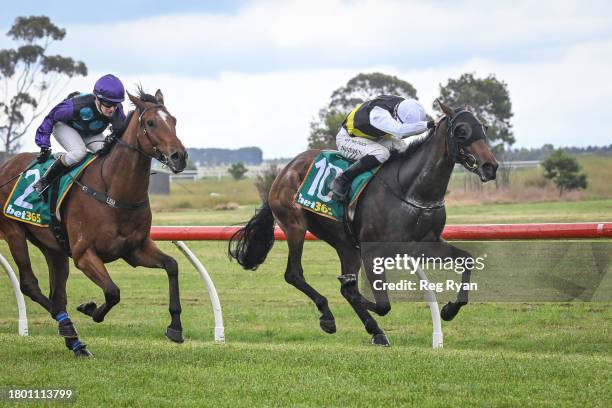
[(489, 168), (176, 156)]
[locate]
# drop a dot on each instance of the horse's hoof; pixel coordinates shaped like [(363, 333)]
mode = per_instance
[(380, 339), (175, 335), (449, 311), (87, 308), (328, 326)]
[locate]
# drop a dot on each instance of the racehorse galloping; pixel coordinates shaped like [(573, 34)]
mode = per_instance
[(404, 202), (99, 232)]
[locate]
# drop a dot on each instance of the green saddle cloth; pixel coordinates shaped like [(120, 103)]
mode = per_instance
[(24, 204), (314, 194)]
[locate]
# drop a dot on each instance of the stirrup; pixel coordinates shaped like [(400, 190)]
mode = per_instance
[(343, 198), (41, 187)]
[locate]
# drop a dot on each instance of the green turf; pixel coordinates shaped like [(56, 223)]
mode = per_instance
[(495, 354), (575, 211)]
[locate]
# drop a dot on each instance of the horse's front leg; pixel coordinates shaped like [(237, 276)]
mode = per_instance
[(450, 310), (93, 267), (150, 256)]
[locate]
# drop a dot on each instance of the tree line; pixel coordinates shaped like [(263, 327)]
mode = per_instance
[(31, 79), (541, 153)]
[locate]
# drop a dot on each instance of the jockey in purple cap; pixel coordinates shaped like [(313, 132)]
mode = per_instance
[(78, 123)]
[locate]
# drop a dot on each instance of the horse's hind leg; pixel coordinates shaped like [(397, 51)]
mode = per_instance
[(351, 262), (58, 275), (381, 305), (15, 237), (294, 275), (92, 266), (150, 256)]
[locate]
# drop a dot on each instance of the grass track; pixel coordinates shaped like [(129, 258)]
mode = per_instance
[(501, 354)]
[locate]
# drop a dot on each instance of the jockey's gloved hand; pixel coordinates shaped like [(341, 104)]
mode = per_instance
[(431, 124), (44, 154), (108, 144), (118, 127)]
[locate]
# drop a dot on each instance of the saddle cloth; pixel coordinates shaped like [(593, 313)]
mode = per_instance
[(314, 194), (24, 204)]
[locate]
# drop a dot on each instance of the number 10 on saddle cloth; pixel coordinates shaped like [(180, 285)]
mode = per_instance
[(314, 194)]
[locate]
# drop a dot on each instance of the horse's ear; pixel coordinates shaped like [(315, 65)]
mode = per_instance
[(136, 101), (447, 111), (159, 96)]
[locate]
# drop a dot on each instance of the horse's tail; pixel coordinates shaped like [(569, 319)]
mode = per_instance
[(250, 244)]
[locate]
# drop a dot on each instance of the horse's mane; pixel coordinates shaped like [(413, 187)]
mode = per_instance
[(143, 96), (414, 143)]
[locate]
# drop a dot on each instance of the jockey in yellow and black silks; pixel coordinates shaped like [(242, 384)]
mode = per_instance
[(371, 130)]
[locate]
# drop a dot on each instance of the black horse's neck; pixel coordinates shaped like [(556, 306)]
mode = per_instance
[(424, 174)]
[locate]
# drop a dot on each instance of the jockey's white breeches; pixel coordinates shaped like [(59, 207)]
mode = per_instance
[(354, 148), (76, 146)]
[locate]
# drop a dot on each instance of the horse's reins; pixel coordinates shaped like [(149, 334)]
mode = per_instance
[(20, 174), (409, 200), (104, 197), (457, 153)]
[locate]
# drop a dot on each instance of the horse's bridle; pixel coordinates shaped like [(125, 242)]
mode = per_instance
[(455, 146), (457, 153), (157, 154), (103, 197)]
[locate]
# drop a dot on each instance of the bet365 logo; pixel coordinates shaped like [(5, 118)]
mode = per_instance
[(23, 214)]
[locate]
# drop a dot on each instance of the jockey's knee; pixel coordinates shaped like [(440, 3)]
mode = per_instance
[(96, 145), (382, 154), (74, 156)]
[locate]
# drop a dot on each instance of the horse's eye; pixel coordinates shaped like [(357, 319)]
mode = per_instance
[(150, 123), (463, 131)]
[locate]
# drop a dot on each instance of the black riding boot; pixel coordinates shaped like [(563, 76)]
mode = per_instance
[(341, 185), (57, 169)]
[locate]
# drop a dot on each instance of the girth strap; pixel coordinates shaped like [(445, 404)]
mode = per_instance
[(108, 200)]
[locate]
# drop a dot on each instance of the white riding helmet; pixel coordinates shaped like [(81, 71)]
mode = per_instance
[(411, 111)]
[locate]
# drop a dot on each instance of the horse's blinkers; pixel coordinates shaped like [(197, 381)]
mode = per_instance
[(456, 144)]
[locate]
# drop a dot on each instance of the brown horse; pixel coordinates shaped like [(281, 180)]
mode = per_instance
[(108, 218), (404, 202)]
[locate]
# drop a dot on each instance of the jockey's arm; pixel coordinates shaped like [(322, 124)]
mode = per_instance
[(382, 119), (120, 113), (118, 121), (60, 113)]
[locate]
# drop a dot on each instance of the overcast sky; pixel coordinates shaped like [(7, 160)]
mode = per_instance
[(245, 73)]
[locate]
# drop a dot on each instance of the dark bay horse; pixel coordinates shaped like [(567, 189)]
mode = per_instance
[(102, 231), (404, 202)]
